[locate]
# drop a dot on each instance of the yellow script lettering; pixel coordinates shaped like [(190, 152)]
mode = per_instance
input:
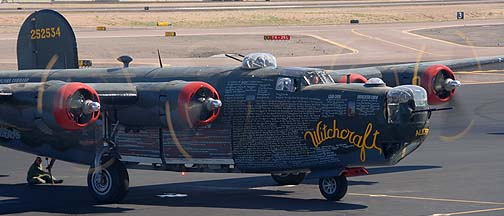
[(361, 141)]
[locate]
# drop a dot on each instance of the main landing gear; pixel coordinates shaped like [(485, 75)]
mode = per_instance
[(108, 179), (110, 184)]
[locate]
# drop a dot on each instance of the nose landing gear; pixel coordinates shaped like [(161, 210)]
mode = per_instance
[(333, 188)]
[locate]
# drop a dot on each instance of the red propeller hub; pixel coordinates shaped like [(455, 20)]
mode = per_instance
[(199, 104), (434, 81), (76, 105)]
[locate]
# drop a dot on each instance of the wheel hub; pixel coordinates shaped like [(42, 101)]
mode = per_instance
[(329, 185), (102, 182)]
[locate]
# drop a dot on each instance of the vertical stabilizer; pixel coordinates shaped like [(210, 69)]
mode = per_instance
[(46, 35)]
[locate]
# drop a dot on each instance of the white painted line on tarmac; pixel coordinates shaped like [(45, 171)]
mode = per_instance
[(469, 212), (172, 195), (427, 199)]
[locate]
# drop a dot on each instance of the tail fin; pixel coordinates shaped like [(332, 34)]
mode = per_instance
[(46, 35)]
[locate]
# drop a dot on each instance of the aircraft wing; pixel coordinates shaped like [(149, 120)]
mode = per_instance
[(437, 77), (74, 105)]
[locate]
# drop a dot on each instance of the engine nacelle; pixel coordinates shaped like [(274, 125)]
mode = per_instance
[(176, 103), (57, 105), (440, 84), (438, 80), (198, 104), (72, 106)]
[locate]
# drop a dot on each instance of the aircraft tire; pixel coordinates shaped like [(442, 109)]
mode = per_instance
[(113, 185), (333, 188), (288, 179)]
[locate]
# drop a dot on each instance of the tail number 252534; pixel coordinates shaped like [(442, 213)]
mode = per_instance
[(45, 33)]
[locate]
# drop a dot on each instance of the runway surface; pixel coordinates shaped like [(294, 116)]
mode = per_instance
[(222, 6), (453, 173), (369, 43), (458, 170)]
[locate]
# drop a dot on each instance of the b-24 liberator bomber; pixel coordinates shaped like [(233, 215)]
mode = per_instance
[(255, 118)]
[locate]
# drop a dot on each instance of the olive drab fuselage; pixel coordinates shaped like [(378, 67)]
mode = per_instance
[(262, 125)]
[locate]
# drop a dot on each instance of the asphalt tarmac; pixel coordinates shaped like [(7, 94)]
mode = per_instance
[(368, 44), (457, 171)]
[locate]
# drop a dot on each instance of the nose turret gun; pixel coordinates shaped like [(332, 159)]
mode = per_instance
[(432, 110)]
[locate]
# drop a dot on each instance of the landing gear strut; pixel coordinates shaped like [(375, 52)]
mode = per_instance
[(333, 188), (108, 179)]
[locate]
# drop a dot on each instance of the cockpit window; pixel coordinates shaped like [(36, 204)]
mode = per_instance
[(313, 78), (317, 77), (285, 84)]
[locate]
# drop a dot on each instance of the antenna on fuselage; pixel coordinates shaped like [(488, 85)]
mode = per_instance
[(233, 56), (126, 60), (159, 57)]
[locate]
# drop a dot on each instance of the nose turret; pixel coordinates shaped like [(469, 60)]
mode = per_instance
[(409, 124), (403, 100)]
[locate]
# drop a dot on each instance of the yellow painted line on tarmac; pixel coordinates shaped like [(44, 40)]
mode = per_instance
[(427, 199), (393, 43), (435, 39), (470, 212), (482, 83), (409, 31), (354, 51)]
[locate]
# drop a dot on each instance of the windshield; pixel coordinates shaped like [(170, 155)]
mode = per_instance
[(317, 77)]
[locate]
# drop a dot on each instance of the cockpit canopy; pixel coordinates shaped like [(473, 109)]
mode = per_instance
[(292, 79), (317, 77)]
